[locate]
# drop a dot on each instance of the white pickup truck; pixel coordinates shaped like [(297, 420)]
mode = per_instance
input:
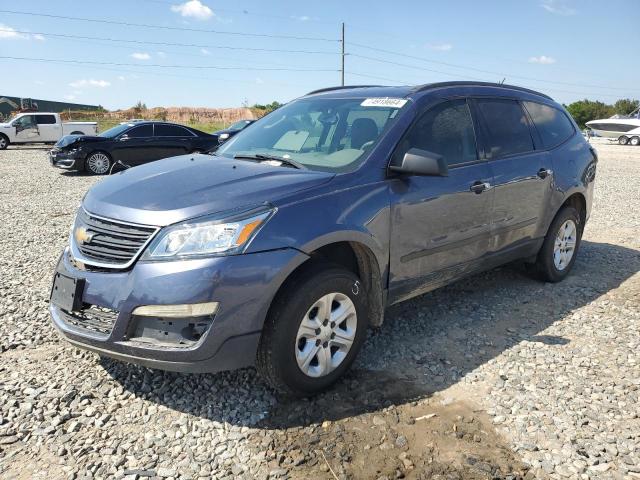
[(37, 127)]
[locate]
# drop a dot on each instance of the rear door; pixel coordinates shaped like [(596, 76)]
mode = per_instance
[(522, 174), (439, 225), (49, 129), (171, 140)]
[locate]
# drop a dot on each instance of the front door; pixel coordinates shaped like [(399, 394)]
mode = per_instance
[(134, 146), (26, 129), (439, 225), (522, 174)]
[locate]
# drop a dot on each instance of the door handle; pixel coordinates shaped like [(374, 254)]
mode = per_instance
[(479, 187), (544, 173)]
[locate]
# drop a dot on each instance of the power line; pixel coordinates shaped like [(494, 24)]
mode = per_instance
[(156, 65), (500, 74), (166, 44), (166, 27)]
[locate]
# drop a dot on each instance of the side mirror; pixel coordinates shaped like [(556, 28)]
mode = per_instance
[(422, 162)]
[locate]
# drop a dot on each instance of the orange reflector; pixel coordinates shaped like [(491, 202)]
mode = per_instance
[(247, 230)]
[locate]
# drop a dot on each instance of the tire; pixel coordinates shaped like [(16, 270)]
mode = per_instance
[(623, 140), (4, 142), (284, 343), (552, 265), (635, 141), (98, 163)]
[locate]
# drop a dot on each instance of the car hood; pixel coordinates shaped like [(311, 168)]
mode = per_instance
[(75, 140), (179, 188)]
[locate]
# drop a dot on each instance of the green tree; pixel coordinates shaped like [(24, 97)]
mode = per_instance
[(624, 106), (585, 110)]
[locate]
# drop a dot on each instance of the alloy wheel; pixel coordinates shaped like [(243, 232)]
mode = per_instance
[(565, 245), (326, 334), (98, 163)]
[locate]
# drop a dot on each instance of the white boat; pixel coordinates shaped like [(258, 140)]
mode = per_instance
[(626, 128)]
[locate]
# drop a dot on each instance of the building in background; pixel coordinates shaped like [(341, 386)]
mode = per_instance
[(14, 104)]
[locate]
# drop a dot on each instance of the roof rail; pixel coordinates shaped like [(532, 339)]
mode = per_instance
[(328, 89), (429, 86)]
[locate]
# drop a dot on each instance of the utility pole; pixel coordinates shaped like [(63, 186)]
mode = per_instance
[(342, 71)]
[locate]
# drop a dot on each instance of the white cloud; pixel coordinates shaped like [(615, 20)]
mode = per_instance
[(440, 47), (141, 56), (39, 37), (8, 33), (542, 59), (558, 7), (193, 9), (90, 83), (161, 54), (121, 78), (204, 51)]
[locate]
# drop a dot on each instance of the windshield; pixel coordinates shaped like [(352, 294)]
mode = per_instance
[(115, 131), (328, 134)]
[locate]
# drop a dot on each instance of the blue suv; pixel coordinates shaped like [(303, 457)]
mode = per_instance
[(283, 247)]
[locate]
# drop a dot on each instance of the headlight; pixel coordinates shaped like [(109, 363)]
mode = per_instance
[(206, 237)]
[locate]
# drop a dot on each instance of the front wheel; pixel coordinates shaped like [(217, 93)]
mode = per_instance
[(4, 142), (558, 253), (98, 163), (314, 331)]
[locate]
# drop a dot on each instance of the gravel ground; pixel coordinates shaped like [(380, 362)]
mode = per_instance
[(496, 376)]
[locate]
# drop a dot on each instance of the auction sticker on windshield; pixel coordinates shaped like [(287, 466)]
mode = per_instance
[(384, 102)]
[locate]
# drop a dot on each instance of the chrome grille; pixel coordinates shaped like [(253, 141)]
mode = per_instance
[(109, 243), (93, 319)]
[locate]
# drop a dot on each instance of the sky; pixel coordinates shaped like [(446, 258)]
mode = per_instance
[(225, 54)]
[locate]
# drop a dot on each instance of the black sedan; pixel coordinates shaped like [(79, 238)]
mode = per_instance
[(130, 144), (233, 129)]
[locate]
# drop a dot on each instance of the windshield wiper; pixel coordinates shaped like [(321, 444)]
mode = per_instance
[(260, 157)]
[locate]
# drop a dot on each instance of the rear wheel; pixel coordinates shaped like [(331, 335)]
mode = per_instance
[(558, 253), (635, 141), (623, 140), (98, 163), (4, 142), (314, 330)]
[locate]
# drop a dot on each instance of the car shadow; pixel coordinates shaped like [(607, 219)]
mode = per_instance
[(455, 325)]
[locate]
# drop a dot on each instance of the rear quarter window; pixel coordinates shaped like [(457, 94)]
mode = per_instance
[(46, 119), (552, 124)]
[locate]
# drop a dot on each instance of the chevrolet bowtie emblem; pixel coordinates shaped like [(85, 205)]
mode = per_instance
[(82, 235)]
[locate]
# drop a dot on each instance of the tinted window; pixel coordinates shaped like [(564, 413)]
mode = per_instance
[(141, 131), (552, 124), (46, 119), (163, 130), (506, 126), (446, 129)]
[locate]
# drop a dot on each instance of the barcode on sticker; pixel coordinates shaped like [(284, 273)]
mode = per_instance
[(384, 102)]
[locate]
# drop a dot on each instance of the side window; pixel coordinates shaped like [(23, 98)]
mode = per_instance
[(506, 126), (141, 131), (46, 119), (446, 129), (164, 130), (552, 124)]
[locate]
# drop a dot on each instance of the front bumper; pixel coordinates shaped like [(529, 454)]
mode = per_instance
[(243, 285), (65, 160)]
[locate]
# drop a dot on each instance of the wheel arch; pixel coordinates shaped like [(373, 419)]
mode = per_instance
[(77, 132), (578, 201)]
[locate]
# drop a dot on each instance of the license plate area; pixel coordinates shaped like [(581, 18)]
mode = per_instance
[(66, 292)]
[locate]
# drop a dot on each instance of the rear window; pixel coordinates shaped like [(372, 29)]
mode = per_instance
[(163, 130), (506, 126), (46, 119), (552, 124)]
